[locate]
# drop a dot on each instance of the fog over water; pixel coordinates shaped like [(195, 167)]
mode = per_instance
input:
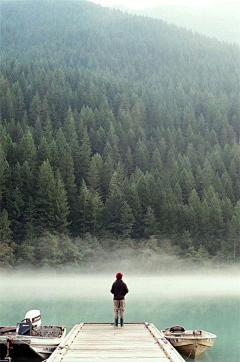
[(57, 284)]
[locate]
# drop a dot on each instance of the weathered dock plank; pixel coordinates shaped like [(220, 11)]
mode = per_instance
[(100, 342)]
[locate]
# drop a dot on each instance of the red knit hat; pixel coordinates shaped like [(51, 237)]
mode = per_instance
[(119, 276)]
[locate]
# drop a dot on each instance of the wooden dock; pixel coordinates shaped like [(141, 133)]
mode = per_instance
[(101, 342)]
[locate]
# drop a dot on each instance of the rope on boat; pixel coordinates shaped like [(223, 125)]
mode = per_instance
[(194, 348)]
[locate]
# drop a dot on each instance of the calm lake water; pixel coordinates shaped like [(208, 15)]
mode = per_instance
[(208, 301)]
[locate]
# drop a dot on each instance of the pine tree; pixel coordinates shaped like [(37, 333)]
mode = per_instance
[(128, 161), (150, 224), (47, 249), (19, 105), (27, 148), (227, 211), (5, 230), (45, 110), (113, 142), (133, 201), (61, 208), (143, 191), (156, 161), (30, 222), (84, 210), (108, 169), (48, 130), (86, 119), (118, 178), (37, 131), (7, 107), (35, 108), (99, 141), (178, 193), (218, 186), (141, 156), (85, 155), (14, 203), (216, 218), (202, 255), (234, 232), (72, 138), (43, 151), (97, 212), (54, 155), (195, 203), (68, 176), (95, 173), (233, 173), (118, 214), (192, 157), (46, 197), (3, 169), (7, 247), (228, 186), (187, 183)]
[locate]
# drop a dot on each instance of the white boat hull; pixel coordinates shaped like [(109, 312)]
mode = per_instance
[(191, 348), (43, 346), (190, 343)]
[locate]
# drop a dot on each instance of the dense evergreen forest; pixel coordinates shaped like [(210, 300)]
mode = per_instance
[(116, 131)]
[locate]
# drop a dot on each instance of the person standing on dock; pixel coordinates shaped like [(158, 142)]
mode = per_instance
[(119, 290)]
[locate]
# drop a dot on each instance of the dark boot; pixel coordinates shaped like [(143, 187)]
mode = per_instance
[(121, 322), (116, 322)]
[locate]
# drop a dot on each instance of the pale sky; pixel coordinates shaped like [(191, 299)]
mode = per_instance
[(141, 4)]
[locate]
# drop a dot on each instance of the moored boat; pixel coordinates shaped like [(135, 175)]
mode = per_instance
[(42, 340), (190, 343)]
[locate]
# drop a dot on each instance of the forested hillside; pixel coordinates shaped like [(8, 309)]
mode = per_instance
[(220, 20), (115, 130)]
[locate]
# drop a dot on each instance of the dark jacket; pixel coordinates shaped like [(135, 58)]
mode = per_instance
[(119, 289)]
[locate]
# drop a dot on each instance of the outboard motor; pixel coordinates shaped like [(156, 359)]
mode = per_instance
[(34, 317), (31, 322), (25, 328)]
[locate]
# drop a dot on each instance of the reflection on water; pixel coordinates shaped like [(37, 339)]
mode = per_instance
[(207, 302), (25, 356)]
